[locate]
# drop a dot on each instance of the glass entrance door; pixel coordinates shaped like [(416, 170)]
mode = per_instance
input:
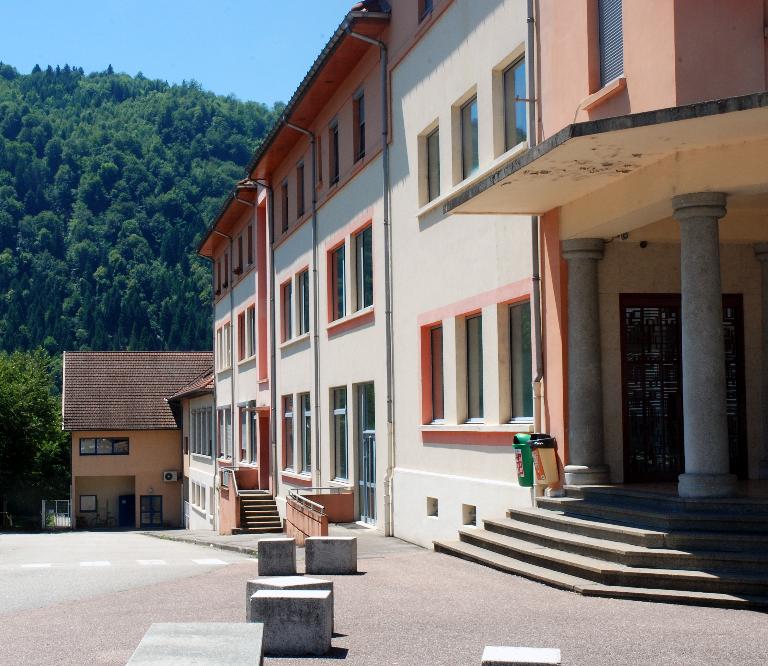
[(367, 453), (151, 511), (652, 387)]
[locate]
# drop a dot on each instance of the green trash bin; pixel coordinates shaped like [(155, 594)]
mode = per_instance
[(523, 460)]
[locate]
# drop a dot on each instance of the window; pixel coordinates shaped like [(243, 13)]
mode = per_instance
[(224, 346), (250, 244), (359, 119), (432, 507), (88, 504), (303, 297), (250, 329), (515, 111), (333, 157), (284, 197), (225, 432), (104, 446), (218, 277), (433, 165), (239, 268), (288, 431), (364, 260), (338, 294), (436, 371), (243, 432), (425, 8), (226, 270), (319, 158), (474, 368), (520, 360), (339, 402), (305, 437), (286, 302), (469, 154), (300, 190), (241, 336), (253, 425), (611, 37), (200, 431)]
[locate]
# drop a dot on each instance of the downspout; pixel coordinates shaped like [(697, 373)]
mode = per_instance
[(315, 301), (233, 392), (388, 477), (272, 341), (535, 254)]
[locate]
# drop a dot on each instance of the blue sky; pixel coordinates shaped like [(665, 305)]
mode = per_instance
[(258, 50)]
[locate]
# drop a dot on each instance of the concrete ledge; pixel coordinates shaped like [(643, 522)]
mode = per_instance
[(277, 557), (279, 583), (224, 643), (296, 622), (520, 656), (330, 555)]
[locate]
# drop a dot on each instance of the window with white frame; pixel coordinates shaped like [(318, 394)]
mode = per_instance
[(253, 426), (338, 282), (432, 151), (363, 242), (286, 305), (515, 109), (225, 432), (521, 362), (288, 449), (436, 373), (469, 138), (339, 435), (303, 301), (250, 331), (474, 367), (224, 346), (305, 435)]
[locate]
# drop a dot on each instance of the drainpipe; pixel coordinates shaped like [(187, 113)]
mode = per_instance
[(315, 300), (388, 478), (233, 392), (535, 254)]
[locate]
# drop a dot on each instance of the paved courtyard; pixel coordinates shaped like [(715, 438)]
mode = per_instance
[(409, 606)]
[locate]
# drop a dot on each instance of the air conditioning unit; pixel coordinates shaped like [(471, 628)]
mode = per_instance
[(170, 475)]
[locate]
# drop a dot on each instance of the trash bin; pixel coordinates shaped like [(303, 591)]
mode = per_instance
[(523, 460), (543, 451)]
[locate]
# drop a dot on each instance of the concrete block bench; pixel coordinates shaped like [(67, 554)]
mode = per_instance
[(296, 622), (520, 656), (220, 643), (276, 557), (283, 583), (330, 555)]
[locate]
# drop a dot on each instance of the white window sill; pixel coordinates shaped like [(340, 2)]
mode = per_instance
[(294, 341), (340, 483), (246, 361), (477, 176), (201, 457), (478, 427), (350, 319)]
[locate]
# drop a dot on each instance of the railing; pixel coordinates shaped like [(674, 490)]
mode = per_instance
[(304, 518), (55, 514), (306, 502), (335, 490)]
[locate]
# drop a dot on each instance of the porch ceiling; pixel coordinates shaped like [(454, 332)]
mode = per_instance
[(585, 158)]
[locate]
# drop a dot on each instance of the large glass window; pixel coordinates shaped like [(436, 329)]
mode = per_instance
[(104, 446), (433, 165), (515, 111), (339, 402), (305, 455), (520, 360), (364, 259), (338, 293), (436, 369), (333, 157), (303, 297), (288, 431), (251, 330), (474, 368), (300, 190), (469, 150), (287, 310)]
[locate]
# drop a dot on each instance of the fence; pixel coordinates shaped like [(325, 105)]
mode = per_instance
[(55, 514)]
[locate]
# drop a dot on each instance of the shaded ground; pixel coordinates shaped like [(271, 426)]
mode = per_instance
[(410, 606)]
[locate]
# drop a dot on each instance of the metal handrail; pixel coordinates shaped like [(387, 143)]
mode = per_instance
[(308, 503), (324, 490)]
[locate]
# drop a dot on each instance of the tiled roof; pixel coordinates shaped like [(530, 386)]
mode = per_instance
[(126, 390), (203, 384)]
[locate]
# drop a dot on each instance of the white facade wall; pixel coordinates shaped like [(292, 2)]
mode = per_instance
[(448, 266), (201, 471)]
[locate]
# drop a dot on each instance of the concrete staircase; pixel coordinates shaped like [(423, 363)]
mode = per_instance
[(616, 542), (258, 513)]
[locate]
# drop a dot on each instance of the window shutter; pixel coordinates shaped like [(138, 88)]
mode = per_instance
[(611, 40)]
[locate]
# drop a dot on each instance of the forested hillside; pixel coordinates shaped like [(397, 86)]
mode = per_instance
[(106, 184)]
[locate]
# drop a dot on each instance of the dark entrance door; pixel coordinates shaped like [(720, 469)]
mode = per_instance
[(367, 454), (151, 510), (126, 513), (653, 391)]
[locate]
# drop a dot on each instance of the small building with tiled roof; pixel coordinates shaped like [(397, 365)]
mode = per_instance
[(124, 412)]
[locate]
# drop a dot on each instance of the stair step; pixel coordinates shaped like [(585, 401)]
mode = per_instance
[(586, 587), (257, 530), (639, 516), (612, 573), (629, 554)]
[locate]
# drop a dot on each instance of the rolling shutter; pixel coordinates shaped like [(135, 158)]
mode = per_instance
[(611, 40)]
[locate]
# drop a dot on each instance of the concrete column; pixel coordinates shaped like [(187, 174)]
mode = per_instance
[(585, 390), (704, 407), (761, 252)]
